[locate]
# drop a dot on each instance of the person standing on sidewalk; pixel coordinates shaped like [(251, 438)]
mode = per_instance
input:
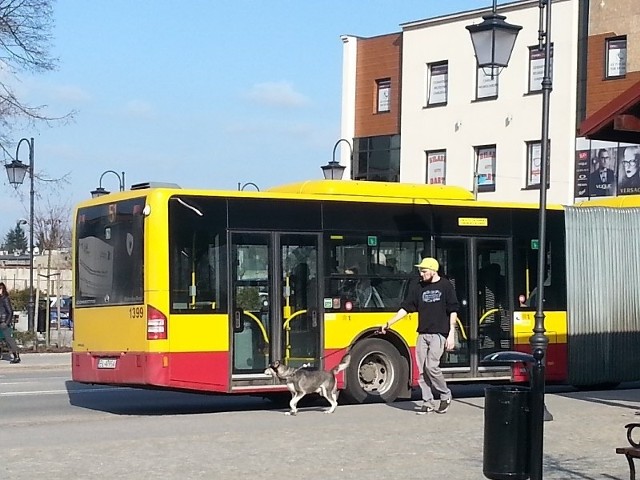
[(435, 300), (6, 322)]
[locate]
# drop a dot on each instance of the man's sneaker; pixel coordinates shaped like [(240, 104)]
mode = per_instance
[(425, 408), (444, 406)]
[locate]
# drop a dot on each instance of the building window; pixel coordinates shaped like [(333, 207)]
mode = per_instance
[(384, 95), (616, 57), (436, 167), (486, 86), (536, 68), (377, 158), (437, 84), (534, 154), (486, 168)]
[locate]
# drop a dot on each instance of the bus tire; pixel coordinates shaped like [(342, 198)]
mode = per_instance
[(377, 372)]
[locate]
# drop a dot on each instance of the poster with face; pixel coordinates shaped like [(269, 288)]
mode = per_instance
[(602, 168), (628, 170)]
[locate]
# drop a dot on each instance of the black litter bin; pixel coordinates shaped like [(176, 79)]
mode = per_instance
[(507, 432), (41, 327)]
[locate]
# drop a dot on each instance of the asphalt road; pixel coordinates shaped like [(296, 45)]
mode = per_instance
[(57, 429)]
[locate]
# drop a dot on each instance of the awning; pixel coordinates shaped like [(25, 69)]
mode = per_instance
[(618, 120)]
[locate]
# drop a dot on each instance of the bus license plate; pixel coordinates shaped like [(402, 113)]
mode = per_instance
[(107, 363)]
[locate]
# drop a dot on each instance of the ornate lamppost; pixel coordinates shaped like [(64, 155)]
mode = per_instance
[(333, 170), (16, 171), (100, 191), (493, 41)]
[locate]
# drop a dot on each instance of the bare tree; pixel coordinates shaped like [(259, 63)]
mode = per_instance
[(52, 226), (25, 42)]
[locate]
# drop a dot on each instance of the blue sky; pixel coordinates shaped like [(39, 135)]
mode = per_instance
[(205, 94)]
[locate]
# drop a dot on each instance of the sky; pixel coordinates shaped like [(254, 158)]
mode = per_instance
[(201, 93)]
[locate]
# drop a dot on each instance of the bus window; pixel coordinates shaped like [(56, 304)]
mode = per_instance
[(371, 272), (373, 254), (525, 278), (197, 258), (109, 245)]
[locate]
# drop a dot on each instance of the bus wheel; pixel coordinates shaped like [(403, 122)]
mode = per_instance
[(377, 372)]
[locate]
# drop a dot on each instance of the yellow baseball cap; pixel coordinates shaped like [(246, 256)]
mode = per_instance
[(429, 263)]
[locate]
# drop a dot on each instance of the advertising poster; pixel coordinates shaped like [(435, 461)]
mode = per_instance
[(436, 167), (533, 177), (486, 169), (536, 68), (438, 84), (605, 169), (602, 168), (487, 85), (582, 174), (628, 171), (617, 57)]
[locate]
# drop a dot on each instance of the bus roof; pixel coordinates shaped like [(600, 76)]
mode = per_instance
[(335, 190), (621, 201), (371, 191), (375, 189)]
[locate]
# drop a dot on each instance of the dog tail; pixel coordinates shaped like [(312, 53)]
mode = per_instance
[(344, 363)]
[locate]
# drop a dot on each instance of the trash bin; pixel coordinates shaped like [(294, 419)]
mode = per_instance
[(41, 327), (507, 431)]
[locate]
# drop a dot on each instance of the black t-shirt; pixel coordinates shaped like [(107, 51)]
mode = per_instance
[(434, 302)]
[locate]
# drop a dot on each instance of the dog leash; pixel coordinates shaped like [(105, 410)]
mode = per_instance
[(346, 349)]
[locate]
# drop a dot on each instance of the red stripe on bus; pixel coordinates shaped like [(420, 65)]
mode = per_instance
[(556, 364), (206, 371)]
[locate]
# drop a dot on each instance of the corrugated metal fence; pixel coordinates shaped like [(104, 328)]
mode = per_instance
[(603, 281)]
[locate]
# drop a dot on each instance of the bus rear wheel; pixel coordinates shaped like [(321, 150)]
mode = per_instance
[(377, 372)]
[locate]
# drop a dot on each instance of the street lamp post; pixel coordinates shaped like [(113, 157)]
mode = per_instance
[(100, 191), (333, 170), (248, 184), (538, 341), (16, 170), (493, 40)]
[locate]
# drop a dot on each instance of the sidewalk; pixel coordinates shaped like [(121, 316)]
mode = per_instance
[(38, 361)]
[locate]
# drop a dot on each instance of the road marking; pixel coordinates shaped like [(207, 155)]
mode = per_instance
[(58, 392)]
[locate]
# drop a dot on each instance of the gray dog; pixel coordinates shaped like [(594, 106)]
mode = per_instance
[(302, 381)]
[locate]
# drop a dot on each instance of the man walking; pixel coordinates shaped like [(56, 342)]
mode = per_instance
[(435, 300)]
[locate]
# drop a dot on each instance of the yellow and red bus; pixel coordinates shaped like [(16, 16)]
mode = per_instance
[(200, 290)]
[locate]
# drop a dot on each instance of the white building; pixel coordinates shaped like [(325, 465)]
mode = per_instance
[(421, 91)]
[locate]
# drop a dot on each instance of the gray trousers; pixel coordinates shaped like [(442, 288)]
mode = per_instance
[(429, 350), (6, 331)]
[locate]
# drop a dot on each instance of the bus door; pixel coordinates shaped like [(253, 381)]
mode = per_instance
[(300, 319), (492, 296), (252, 292), (275, 296), (478, 269), (454, 258)]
